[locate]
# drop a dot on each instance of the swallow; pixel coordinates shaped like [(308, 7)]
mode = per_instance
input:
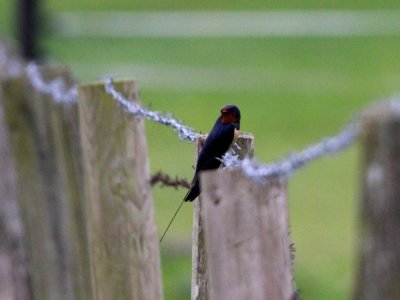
[(222, 136)]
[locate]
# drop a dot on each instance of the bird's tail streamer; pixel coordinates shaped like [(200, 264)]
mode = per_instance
[(172, 220)]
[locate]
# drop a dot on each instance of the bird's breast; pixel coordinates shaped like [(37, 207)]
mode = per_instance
[(235, 137)]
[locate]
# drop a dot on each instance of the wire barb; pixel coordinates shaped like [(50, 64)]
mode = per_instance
[(166, 180)]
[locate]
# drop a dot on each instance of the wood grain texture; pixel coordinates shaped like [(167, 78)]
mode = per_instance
[(46, 146), (65, 134), (14, 282), (246, 230), (124, 249), (199, 290), (378, 273)]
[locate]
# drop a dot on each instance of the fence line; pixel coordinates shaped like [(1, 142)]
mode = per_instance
[(119, 208), (285, 166)]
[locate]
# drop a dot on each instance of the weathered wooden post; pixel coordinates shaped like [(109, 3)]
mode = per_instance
[(199, 257), (124, 248), (378, 275), (248, 246), (45, 143), (11, 63), (14, 283), (65, 134)]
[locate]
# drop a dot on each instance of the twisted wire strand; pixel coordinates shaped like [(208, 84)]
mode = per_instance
[(56, 88), (184, 132), (289, 164)]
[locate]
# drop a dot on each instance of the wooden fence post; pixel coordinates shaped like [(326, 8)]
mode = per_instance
[(14, 283), (45, 143), (378, 275), (199, 289), (124, 248), (246, 230), (65, 133)]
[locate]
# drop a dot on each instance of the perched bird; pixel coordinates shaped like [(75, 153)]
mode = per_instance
[(218, 141)]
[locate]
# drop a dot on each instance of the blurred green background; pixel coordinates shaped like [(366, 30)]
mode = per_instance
[(291, 90)]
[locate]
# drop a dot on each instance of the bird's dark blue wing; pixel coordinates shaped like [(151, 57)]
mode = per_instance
[(215, 146)]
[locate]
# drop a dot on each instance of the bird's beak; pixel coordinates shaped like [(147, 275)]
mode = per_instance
[(237, 125)]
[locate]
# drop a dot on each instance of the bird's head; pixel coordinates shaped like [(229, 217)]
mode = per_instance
[(230, 114)]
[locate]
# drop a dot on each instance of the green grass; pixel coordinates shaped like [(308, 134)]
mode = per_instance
[(306, 88), (222, 4)]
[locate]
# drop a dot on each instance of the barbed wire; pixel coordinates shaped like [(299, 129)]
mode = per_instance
[(286, 166), (56, 88), (184, 132)]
